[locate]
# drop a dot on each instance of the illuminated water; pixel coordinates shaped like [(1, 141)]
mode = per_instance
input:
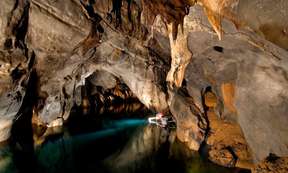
[(105, 145)]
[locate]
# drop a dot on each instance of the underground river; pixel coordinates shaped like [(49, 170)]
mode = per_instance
[(108, 143)]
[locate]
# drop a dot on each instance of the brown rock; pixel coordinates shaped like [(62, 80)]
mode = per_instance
[(56, 26), (228, 146), (228, 93), (222, 156), (180, 55), (6, 10), (210, 100), (272, 165), (260, 95), (13, 73), (191, 124)]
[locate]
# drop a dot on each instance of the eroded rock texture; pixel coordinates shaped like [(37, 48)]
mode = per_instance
[(272, 164), (218, 66), (236, 69), (12, 92)]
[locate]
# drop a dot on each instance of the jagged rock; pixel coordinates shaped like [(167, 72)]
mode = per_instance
[(60, 91), (10, 61), (11, 92), (191, 123), (114, 58), (50, 111), (144, 68), (69, 25), (180, 55)]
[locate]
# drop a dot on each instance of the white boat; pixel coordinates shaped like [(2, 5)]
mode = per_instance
[(162, 121)]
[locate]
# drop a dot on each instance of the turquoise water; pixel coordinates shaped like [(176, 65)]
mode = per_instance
[(124, 123), (111, 146)]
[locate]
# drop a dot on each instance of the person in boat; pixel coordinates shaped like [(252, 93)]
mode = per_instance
[(161, 120)]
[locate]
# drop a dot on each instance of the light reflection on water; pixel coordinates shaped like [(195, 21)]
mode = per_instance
[(128, 145)]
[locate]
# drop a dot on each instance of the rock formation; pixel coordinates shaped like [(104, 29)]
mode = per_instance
[(272, 164), (218, 66)]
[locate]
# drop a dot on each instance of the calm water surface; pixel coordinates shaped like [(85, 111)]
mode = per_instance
[(107, 145)]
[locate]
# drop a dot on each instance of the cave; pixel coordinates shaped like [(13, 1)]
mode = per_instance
[(133, 86)]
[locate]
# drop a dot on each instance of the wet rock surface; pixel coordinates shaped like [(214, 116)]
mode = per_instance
[(166, 54)]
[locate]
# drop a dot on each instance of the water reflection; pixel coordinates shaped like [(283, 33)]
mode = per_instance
[(144, 151), (6, 162), (125, 145)]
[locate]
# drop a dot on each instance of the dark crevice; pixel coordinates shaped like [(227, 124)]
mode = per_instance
[(205, 91), (272, 158), (204, 147), (8, 44), (160, 68), (63, 108), (31, 60), (117, 5), (90, 10), (235, 157), (65, 94), (21, 140), (22, 29), (17, 73), (129, 10), (218, 49), (94, 37), (174, 30), (66, 98)]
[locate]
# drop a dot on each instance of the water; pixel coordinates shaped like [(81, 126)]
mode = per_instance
[(109, 145)]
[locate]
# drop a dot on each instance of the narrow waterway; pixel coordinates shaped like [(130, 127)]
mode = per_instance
[(117, 143)]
